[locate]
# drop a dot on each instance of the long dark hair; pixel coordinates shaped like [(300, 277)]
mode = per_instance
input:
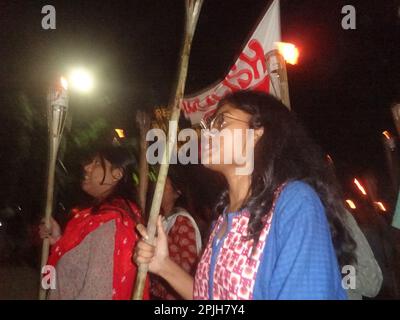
[(120, 158), (286, 153)]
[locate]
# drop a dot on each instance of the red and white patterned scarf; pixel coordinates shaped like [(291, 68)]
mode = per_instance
[(83, 222)]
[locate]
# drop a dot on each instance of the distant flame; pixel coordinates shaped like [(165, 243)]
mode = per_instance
[(360, 187), (120, 133), (351, 204), (380, 205), (329, 158), (289, 52), (386, 134), (64, 83)]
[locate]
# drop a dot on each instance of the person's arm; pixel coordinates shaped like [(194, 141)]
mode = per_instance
[(368, 273), (161, 264)]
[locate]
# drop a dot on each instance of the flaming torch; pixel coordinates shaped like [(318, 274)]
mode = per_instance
[(56, 114)]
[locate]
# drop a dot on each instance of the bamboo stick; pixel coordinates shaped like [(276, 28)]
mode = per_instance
[(47, 216), (57, 111), (280, 71), (193, 8), (283, 81), (144, 122)]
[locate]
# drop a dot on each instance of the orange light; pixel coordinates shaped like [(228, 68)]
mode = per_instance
[(120, 133), (289, 52), (360, 187), (386, 134), (351, 204), (380, 205), (64, 83)]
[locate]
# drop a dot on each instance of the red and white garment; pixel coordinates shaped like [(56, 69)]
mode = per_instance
[(184, 245), (83, 222), (235, 270)]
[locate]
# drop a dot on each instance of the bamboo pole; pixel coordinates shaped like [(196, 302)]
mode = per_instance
[(283, 81), (144, 123), (57, 111), (280, 72), (193, 8)]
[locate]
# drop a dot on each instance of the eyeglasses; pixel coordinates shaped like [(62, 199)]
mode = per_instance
[(218, 122)]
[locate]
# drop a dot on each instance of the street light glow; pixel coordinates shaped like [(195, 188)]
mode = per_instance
[(81, 80), (289, 52)]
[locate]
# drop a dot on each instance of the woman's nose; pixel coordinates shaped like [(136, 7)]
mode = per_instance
[(87, 167)]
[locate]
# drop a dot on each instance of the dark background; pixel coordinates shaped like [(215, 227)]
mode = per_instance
[(342, 88)]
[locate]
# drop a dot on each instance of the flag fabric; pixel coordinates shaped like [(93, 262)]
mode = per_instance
[(248, 73)]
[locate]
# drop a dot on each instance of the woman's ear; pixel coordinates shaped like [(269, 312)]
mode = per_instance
[(116, 174), (258, 133), (178, 193)]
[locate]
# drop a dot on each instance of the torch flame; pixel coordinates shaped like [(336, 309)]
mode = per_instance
[(64, 83), (380, 205), (289, 52), (120, 133), (351, 204), (360, 187), (386, 134)]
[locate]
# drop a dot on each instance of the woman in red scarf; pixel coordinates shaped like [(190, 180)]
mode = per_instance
[(93, 257)]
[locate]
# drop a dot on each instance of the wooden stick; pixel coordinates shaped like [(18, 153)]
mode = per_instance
[(57, 112), (283, 81), (280, 71), (47, 216), (144, 122), (192, 14)]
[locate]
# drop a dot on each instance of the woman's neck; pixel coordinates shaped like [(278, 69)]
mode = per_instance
[(167, 209), (100, 198), (238, 187)]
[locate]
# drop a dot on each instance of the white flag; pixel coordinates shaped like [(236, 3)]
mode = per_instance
[(248, 72)]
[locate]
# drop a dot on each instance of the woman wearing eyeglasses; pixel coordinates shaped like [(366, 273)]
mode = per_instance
[(279, 231)]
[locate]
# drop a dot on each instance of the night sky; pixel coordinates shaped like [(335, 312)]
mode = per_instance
[(342, 87)]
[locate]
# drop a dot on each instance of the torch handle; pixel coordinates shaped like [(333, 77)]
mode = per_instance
[(144, 122), (47, 216), (193, 8), (283, 81), (140, 282), (48, 210)]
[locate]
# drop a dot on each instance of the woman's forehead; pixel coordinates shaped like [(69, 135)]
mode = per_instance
[(227, 107), (100, 157), (231, 109)]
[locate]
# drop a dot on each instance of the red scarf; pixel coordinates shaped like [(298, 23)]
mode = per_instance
[(83, 222)]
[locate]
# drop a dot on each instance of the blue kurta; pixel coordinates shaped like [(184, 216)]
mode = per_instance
[(298, 261)]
